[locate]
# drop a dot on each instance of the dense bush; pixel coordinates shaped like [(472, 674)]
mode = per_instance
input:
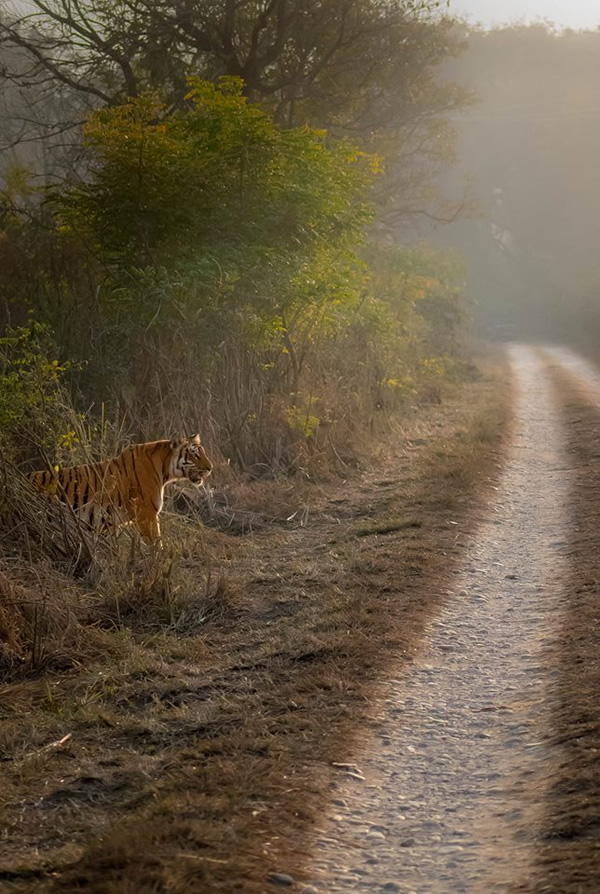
[(210, 273), (34, 408)]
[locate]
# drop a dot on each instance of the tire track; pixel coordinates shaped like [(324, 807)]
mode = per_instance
[(569, 846), (448, 792), (584, 375)]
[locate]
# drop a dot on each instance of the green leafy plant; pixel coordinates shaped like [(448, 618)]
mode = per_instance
[(31, 388)]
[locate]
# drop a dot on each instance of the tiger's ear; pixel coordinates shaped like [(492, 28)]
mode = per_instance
[(175, 442)]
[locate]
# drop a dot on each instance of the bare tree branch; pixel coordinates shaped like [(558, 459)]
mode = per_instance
[(57, 70)]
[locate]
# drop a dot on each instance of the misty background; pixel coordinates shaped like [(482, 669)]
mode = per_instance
[(578, 14), (529, 147)]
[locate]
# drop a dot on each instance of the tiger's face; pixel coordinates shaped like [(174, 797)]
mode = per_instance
[(192, 462)]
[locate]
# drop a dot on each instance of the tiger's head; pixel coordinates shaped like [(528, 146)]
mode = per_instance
[(190, 459)]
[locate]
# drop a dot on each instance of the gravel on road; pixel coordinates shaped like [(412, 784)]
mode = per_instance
[(446, 795)]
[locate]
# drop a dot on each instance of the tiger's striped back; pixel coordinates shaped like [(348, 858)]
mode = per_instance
[(130, 487)]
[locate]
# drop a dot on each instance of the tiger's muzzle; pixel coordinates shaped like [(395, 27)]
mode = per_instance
[(197, 476)]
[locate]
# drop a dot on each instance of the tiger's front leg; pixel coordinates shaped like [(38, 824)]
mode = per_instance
[(146, 520)]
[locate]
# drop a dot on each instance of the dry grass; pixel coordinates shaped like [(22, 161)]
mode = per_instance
[(45, 528), (201, 749), (45, 621)]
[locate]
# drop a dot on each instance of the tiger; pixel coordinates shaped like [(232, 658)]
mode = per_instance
[(129, 488)]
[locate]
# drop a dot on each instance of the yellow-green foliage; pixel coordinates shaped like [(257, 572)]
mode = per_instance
[(228, 282), (219, 221), (217, 178), (31, 392), (417, 313), (302, 420)]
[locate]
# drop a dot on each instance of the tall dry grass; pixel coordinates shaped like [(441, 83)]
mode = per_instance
[(66, 589)]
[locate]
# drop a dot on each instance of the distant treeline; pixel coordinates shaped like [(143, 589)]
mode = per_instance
[(531, 147)]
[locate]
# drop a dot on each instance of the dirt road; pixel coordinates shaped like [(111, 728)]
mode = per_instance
[(448, 793)]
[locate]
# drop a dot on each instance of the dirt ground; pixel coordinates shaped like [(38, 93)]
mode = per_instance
[(204, 752)]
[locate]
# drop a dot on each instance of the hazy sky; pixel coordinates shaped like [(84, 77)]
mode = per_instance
[(564, 13)]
